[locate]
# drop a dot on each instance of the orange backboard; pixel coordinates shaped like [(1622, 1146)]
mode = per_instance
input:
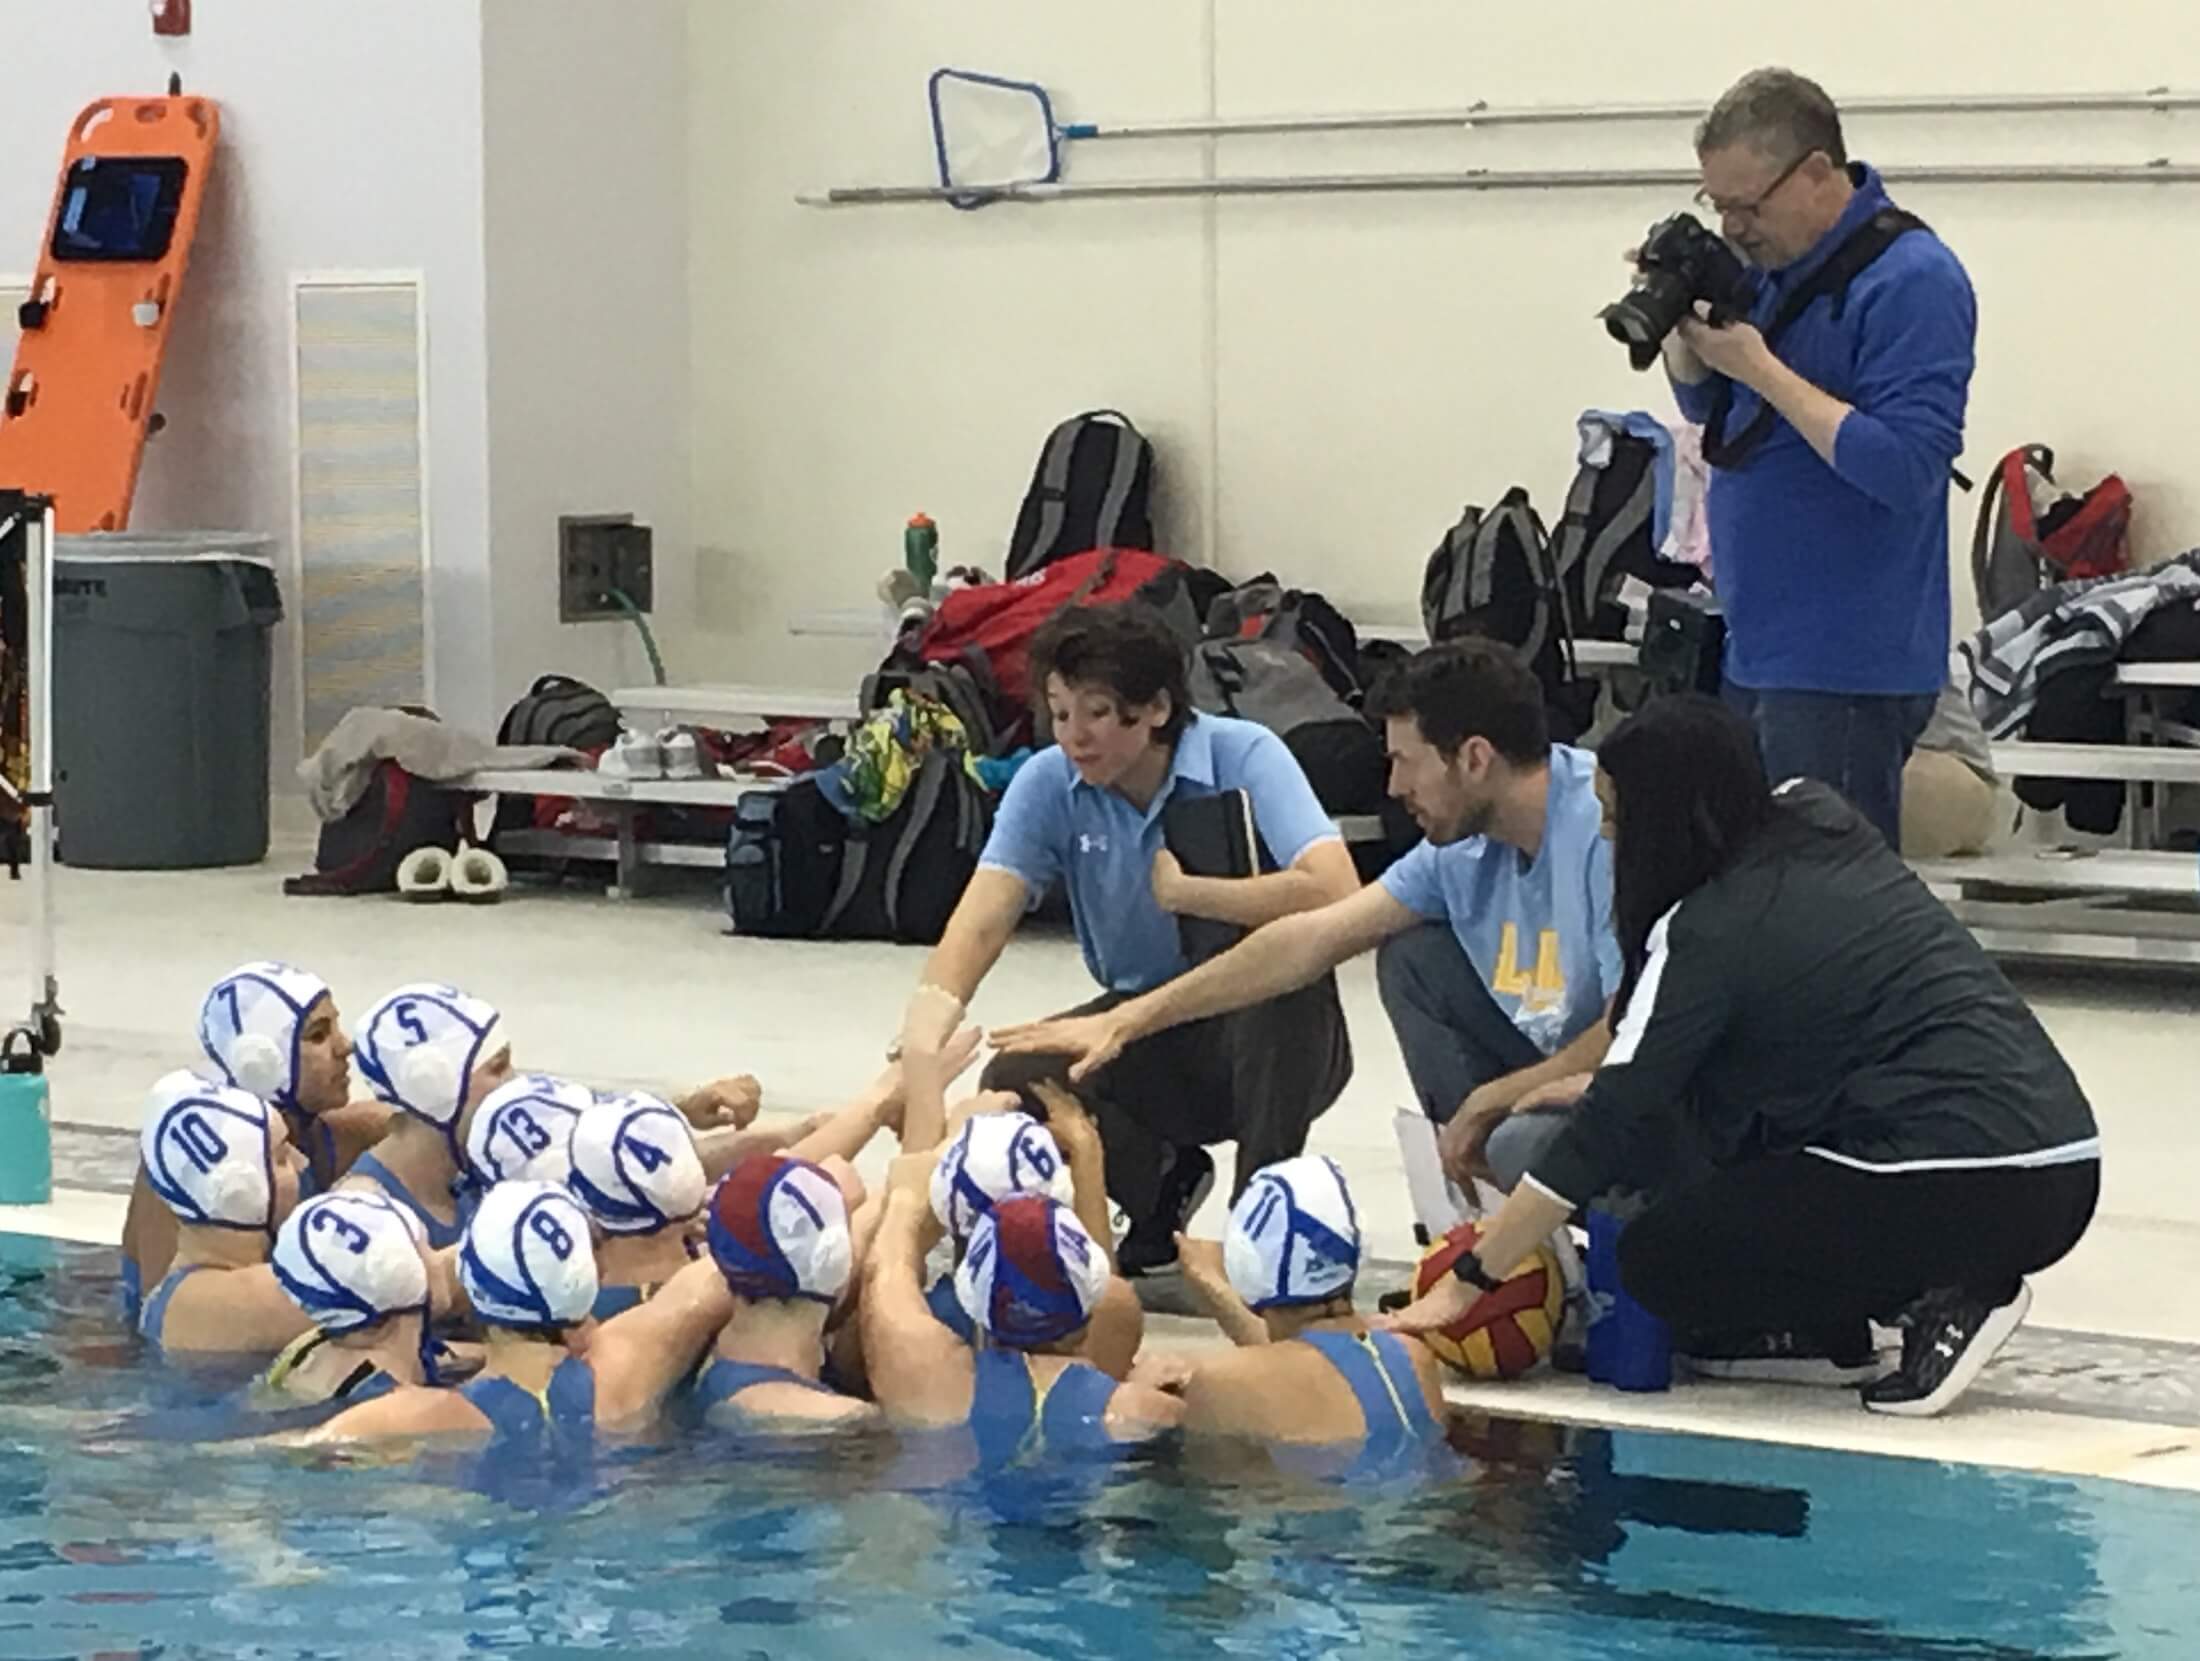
[(80, 400)]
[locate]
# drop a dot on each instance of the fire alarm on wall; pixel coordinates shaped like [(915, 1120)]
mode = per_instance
[(171, 17)]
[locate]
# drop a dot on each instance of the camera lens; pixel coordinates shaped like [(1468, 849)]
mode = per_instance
[(1646, 314)]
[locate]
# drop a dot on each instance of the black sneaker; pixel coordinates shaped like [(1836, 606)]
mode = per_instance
[(1843, 1356), (1151, 1242), (1950, 1338)]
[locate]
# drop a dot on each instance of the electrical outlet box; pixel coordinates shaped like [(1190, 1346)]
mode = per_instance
[(600, 555)]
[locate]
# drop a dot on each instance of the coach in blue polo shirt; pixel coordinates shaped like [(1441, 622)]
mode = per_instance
[(1088, 813)]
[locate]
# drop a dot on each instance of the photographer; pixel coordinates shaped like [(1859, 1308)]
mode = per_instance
[(1833, 414)]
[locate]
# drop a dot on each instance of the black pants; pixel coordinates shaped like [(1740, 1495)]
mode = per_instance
[(1801, 1244), (1259, 1077)]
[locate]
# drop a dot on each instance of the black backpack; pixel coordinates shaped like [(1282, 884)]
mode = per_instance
[(1093, 489), (1495, 575), (561, 710), (783, 861), (796, 867), (1606, 536), (360, 853)]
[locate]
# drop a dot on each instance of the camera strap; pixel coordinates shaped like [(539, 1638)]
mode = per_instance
[(1841, 268)]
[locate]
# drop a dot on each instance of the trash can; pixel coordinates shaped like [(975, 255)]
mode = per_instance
[(161, 698)]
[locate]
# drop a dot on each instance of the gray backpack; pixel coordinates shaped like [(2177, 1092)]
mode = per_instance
[(1268, 682)]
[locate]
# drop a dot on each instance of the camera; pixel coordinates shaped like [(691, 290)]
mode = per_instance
[(1681, 262)]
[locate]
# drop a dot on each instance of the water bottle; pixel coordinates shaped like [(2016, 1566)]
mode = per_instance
[(920, 551), (1628, 1347), (26, 1127)]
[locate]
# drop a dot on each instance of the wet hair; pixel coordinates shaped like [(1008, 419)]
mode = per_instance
[(1468, 689), (1127, 651), (1778, 113), (1689, 794)]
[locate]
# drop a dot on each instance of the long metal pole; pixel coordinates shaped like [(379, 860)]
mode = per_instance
[(38, 534), (1535, 115), (1480, 179)]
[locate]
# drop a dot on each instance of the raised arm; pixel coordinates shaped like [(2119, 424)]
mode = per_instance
[(920, 1372)]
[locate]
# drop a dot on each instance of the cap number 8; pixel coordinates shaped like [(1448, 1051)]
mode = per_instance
[(551, 1233)]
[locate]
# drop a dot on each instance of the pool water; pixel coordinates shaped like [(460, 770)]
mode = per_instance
[(121, 1535)]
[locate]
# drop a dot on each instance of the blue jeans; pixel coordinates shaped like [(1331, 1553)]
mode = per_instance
[(1450, 1030), (1858, 743)]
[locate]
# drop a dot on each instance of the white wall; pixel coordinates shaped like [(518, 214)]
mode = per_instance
[(1332, 378), (585, 126), (350, 141)]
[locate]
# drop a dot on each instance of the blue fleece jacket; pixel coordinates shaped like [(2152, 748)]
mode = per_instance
[(1835, 579)]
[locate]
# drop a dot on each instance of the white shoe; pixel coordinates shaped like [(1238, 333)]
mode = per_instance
[(425, 875), (683, 757), (635, 756), (479, 877)]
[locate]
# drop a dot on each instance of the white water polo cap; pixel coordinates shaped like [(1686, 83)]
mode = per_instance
[(524, 1130), (419, 1046), (635, 1166), (251, 1025), (351, 1259), (206, 1153), (527, 1260), (1293, 1236), (993, 1156)]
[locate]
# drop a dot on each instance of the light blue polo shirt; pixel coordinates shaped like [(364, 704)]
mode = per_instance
[(1054, 825), (1538, 932)]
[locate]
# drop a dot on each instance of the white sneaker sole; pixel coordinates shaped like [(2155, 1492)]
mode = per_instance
[(1997, 1329), (1789, 1370)]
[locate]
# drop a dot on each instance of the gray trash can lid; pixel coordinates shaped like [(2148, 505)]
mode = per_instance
[(167, 547)]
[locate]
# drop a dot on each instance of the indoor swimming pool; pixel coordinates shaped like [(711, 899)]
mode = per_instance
[(122, 1534)]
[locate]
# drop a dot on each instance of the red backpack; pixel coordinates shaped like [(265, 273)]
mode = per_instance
[(2016, 548), (998, 620)]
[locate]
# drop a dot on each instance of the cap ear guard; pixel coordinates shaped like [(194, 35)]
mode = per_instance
[(258, 1065), (426, 1079)]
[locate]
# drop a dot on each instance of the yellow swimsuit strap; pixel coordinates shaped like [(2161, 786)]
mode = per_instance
[(293, 1356)]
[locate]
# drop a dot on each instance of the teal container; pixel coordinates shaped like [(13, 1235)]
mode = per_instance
[(26, 1140)]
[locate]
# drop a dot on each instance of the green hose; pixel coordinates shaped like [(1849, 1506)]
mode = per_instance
[(649, 641)]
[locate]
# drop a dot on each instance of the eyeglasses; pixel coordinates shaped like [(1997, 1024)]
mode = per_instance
[(1750, 210)]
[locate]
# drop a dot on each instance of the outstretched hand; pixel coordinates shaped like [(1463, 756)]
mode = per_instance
[(1089, 1041)]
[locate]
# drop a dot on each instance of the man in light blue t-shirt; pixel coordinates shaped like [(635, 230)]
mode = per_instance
[(1498, 960), (1088, 813)]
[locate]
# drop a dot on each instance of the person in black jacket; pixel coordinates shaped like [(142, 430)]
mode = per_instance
[(1890, 1130)]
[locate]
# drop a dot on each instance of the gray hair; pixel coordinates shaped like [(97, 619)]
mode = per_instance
[(1778, 113)]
